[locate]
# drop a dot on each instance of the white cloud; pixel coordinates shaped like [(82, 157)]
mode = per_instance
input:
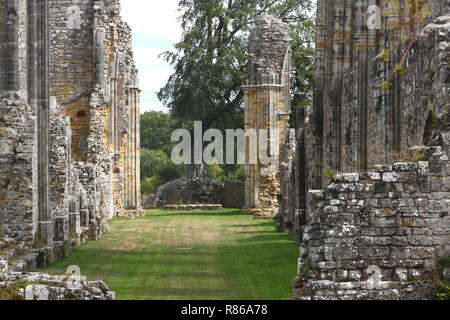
[(155, 18), (155, 30)]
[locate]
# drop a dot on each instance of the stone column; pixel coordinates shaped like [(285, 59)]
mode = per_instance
[(132, 166), (137, 172), (9, 80), (18, 134), (115, 136), (301, 183), (13, 47), (267, 98), (38, 81)]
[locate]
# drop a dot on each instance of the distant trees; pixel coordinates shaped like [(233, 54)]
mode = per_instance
[(210, 59), (157, 169), (156, 147), (209, 64), (156, 131)]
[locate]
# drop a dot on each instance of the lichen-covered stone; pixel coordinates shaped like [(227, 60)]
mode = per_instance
[(69, 129), (40, 286)]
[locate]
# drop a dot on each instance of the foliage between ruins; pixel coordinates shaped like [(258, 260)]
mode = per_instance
[(442, 285)]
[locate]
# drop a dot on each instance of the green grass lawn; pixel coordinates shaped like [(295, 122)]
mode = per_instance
[(190, 255)]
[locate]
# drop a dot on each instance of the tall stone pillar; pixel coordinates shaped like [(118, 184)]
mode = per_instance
[(115, 136), (267, 107), (24, 96), (13, 60), (302, 177), (132, 162), (18, 153), (38, 82)]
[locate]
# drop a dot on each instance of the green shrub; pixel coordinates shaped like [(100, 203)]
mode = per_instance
[(442, 285), (2, 234), (444, 295), (330, 175), (238, 174), (156, 162), (150, 185), (156, 170), (216, 173)]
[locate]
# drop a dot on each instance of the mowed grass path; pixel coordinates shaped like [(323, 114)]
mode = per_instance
[(190, 255)]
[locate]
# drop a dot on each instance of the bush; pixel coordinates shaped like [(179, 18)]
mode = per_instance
[(439, 279), (156, 170), (150, 185), (444, 295), (216, 173), (226, 173), (238, 174)]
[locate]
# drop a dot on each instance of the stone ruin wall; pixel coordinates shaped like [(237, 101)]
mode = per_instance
[(69, 126), (394, 217), (267, 106), (356, 124)]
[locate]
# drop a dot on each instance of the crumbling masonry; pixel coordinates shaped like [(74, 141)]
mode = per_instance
[(365, 179), (267, 107), (69, 126), (377, 233)]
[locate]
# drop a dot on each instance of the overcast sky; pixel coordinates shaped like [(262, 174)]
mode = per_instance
[(155, 30)]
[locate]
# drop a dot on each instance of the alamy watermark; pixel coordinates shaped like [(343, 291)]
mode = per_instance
[(374, 280), (74, 279), (374, 19), (262, 147)]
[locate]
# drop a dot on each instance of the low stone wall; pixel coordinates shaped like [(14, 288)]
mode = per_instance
[(196, 191), (393, 221), (149, 201), (189, 191), (39, 286), (387, 290), (188, 207)]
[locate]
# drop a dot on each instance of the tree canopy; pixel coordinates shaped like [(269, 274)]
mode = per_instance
[(156, 131), (210, 60)]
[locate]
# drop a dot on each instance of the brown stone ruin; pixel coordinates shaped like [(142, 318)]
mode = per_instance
[(69, 126), (267, 107), (372, 214), (363, 182)]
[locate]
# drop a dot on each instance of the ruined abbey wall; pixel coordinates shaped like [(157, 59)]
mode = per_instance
[(69, 126), (372, 215), (356, 123), (393, 221)]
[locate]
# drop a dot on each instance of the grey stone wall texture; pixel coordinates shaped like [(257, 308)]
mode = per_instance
[(378, 192), (69, 129)]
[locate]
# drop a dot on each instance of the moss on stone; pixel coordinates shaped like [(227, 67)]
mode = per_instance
[(11, 291), (442, 285), (70, 296)]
